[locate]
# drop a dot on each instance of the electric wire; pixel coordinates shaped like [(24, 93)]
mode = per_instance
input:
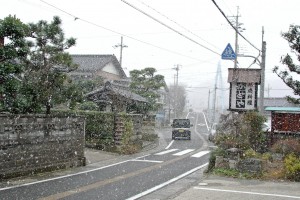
[(118, 33), (234, 27)]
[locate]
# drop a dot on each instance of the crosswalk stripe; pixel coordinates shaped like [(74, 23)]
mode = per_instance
[(165, 152), (200, 154), (183, 152)]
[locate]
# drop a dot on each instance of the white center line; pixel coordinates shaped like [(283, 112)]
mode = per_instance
[(183, 152), (165, 152), (200, 154)]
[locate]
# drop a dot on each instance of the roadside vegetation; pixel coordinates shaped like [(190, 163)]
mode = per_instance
[(245, 152)]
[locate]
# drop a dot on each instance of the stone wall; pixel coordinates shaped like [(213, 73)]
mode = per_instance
[(30, 144), (148, 126)]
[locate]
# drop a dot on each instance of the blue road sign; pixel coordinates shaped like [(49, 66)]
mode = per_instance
[(228, 53)]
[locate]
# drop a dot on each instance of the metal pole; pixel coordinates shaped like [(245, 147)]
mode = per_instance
[(262, 84)]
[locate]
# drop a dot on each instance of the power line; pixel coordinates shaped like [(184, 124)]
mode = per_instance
[(118, 33), (177, 24), (235, 28), (181, 34)]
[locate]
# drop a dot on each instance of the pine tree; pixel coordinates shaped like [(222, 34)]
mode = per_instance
[(47, 66), (293, 38)]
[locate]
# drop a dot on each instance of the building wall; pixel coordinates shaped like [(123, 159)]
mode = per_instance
[(110, 68), (38, 143)]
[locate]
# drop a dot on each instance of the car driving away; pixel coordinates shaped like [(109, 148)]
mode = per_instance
[(181, 129)]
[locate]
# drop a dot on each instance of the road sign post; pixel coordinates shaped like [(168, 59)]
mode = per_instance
[(228, 53)]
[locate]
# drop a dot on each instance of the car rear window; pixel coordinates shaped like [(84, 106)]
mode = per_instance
[(181, 123)]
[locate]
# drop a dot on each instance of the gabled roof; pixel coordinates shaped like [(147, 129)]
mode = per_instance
[(91, 63), (122, 91), (244, 75)]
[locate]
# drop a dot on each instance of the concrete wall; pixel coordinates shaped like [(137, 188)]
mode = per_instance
[(31, 144)]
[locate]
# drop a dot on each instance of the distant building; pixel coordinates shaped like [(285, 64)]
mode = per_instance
[(91, 66)]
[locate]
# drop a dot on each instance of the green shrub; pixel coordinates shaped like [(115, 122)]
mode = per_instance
[(292, 167), (286, 146)]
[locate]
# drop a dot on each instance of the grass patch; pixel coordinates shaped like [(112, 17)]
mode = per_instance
[(233, 173)]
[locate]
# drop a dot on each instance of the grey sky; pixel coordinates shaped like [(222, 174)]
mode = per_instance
[(150, 44)]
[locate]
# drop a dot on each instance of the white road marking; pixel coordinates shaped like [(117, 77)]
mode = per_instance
[(169, 144), (200, 154), (205, 120), (69, 175), (153, 161), (183, 152), (166, 183), (165, 152), (252, 193)]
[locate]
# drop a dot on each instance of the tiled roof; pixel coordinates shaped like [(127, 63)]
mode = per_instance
[(122, 91), (92, 63)]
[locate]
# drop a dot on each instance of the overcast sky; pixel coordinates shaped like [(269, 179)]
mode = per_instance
[(200, 34)]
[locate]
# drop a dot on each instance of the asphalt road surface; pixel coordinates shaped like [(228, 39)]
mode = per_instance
[(129, 179)]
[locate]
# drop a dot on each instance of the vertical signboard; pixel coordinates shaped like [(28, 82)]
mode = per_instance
[(243, 96), (243, 88)]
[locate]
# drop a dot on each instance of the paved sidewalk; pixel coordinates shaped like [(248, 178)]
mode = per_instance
[(215, 187)]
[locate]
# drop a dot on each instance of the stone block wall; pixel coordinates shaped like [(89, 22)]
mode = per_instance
[(36, 143), (148, 126)]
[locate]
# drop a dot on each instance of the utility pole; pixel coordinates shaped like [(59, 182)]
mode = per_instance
[(236, 36), (262, 66), (121, 49), (176, 89)]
